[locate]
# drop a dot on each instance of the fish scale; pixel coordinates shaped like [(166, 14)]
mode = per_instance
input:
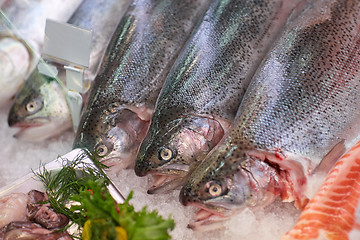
[(139, 57), (136, 67), (202, 93), (316, 97), (301, 104)]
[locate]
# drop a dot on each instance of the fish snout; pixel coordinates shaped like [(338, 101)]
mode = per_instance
[(79, 144), (185, 196), (142, 168), (184, 200), (12, 119)]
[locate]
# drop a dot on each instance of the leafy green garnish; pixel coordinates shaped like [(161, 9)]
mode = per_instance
[(96, 203), (94, 206)]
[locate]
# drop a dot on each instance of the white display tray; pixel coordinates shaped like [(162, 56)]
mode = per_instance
[(30, 181)]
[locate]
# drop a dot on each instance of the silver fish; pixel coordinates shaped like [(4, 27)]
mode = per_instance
[(52, 116), (205, 87), (40, 109), (18, 58), (302, 102), (140, 55)]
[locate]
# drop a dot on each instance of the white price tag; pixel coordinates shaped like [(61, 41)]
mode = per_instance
[(66, 42), (69, 45)]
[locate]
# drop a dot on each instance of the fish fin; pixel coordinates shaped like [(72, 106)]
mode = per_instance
[(298, 10), (225, 123), (331, 158), (143, 112)]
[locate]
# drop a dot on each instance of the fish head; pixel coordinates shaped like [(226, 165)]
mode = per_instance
[(169, 150), (224, 187), (112, 133), (40, 109)]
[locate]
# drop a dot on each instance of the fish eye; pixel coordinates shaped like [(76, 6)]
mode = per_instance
[(102, 150), (214, 189), (166, 154), (33, 106)]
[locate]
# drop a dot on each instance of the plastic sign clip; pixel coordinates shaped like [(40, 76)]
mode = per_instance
[(69, 45)]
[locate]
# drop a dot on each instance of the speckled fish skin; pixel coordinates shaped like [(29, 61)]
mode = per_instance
[(140, 55), (302, 101), (56, 111), (205, 87)]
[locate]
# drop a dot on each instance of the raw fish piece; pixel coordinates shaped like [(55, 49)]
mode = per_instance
[(334, 211), (12, 208)]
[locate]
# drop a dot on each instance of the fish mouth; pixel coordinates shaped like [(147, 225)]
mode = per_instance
[(167, 179), (207, 219), (26, 129), (117, 162), (40, 130), (25, 126)]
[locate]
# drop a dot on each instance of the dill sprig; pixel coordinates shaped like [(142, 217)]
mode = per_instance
[(69, 180)]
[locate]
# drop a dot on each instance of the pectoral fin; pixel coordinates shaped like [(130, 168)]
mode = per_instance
[(331, 158)]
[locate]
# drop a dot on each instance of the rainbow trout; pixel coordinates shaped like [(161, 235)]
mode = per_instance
[(140, 55), (205, 87), (40, 109), (301, 108)]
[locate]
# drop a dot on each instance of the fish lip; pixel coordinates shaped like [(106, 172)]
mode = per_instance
[(24, 126), (39, 130), (166, 181), (116, 162), (207, 218), (108, 161), (28, 122)]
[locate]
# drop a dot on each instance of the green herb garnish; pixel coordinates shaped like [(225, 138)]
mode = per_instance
[(69, 180), (94, 210), (97, 205)]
